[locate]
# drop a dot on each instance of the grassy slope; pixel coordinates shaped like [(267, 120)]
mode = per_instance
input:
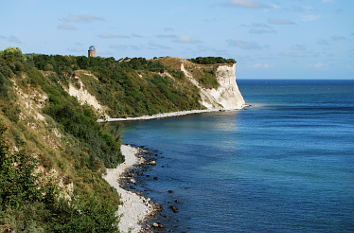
[(62, 143), (203, 70)]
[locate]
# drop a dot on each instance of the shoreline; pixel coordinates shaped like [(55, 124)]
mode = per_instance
[(169, 114), (134, 208)]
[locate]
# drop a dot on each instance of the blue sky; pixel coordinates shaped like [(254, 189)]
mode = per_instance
[(269, 39)]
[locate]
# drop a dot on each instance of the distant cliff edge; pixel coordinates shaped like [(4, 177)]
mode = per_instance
[(216, 82), (225, 95)]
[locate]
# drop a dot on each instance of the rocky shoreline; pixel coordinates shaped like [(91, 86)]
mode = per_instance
[(137, 212), (135, 209)]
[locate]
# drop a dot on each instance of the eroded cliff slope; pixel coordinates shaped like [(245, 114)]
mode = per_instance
[(216, 82)]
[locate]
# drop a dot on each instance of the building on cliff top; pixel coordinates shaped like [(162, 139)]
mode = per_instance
[(92, 51)]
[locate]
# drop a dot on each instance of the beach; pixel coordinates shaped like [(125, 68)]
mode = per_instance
[(134, 208), (165, 115)]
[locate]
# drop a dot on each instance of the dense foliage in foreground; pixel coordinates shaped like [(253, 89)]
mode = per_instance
[(31, 201), (27, 206)]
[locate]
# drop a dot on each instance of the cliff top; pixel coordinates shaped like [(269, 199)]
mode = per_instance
[(175, 62)]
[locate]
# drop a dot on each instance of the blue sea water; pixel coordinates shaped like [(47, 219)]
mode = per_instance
[(284, 165)]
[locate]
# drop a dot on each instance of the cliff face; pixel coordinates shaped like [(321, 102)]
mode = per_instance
[(223, 95), (226, 95)]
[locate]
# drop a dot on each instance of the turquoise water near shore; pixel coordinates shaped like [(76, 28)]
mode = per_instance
[(284, 165)]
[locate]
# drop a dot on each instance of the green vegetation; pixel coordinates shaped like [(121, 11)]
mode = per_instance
[(33, 202), (11, 63), (208, 80), (206, 76), (27, 206), (129, 87), (212, 60)]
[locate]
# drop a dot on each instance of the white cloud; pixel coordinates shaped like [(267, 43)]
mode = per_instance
[(124, 47), (280, 21), (247, 4), (137, 35), (322, 42), (275, 6), (293, 53), (319, 65), (152, 45), (259, 28), (296, 50), (309, 18), (298, 47), (184, 39), (261, 66), (81, 18), (338, 37), (261, 31), (11, 39), (77, 49), (301, 8), (168, 29), (249, 45), (65, 26), (111, 36), (166, 36)]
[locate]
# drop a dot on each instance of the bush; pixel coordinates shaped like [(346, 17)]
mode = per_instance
[(212, 60), (209, 81), (17, 182), (10, 64)]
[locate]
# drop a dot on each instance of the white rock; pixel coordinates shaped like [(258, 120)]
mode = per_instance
[(153, 163), (227, 96)]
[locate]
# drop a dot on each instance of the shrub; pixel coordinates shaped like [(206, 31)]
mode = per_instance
[(209, 81), (212, 60)]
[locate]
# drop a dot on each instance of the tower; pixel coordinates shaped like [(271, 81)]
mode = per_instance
[(92, 51)]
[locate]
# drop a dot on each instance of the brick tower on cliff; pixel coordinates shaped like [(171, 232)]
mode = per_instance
[(92, 51)]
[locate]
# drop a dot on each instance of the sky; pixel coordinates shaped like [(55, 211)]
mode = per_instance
[(298, 39)]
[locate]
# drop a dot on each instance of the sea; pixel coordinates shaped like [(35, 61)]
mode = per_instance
[(285, 164)]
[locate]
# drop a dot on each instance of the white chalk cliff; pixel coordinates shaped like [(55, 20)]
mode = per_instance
[(227, 96)]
